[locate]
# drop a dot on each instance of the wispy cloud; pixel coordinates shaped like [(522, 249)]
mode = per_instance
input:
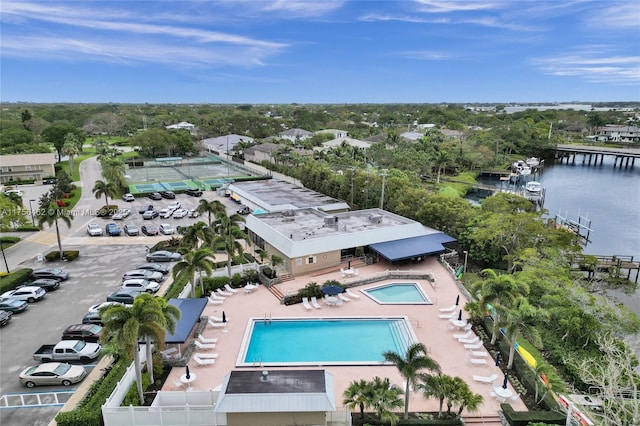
[(594, 65), (375, 17), (442, 6), (283, 9), (616, 15), (430, 55)]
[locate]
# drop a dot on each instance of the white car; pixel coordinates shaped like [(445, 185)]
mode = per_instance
[(165, 213), (143, 274), (174, 205), (96, 308), (141, 285), (94, 230), (194, 213), (121, 214), (14, 191), (165, 229), (180, 213), (128, 197), (26, 294)]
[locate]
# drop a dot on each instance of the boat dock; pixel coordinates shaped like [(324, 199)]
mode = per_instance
[(614, 265), (622, 157), (581, 227)]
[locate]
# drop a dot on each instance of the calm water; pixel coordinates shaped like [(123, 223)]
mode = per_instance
[(397, 293)]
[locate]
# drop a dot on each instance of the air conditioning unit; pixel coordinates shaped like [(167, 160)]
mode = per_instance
[(375, 218), (288, 213), (331, 221)]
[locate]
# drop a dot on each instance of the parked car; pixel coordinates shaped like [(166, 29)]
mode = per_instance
[(194, 213), (126, 296), (144, 208), (5, 317), (166, 213), (52, 373), (155, 196), (14, 191), (55, 274), (168, 194), (244, 210), (128, 197), (112, 230), (155, 267), (47, 284), (193, 192), (174, 205), (94, 230), (150, 214), (180, 213), (141, 285), (131, 230), (165, 229), (97, 307), (143, 274), (149, 230), (29, 294), (163, 256), (85, 332), (121, 214), (92, 318), (68, 350), (13, 305)]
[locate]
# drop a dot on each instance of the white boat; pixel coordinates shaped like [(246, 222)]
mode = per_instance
[(532, 161), (533, 187)]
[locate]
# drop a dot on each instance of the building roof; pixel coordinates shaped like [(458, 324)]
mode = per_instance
[(349, 141), (181, 125), (226, 142), (409, 248), (27, 159), (304, 232), (296, 132), (268, 148), (191, 310), (412, 136), (275, 195), (253, 391)]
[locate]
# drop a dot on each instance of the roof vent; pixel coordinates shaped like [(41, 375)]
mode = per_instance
[(375, 218), (331, 221), (288, 213), (265, 376)]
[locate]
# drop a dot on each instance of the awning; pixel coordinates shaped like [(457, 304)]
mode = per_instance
[(191, 310), (414, 247)]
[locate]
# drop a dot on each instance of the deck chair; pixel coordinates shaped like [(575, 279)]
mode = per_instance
[(474, 340), (218, 319), (200, 362), (217, 324), (352, 294), (207, 339), (452, 315), (477, 361), (479, 354), (449, 309), (314, 303), (473, 345), (305, 302), (344, 298), (216, 296), (214, 301), (203, 355), (485, 379), (178, 384), (466, 335), (223, 293), (204, 346), (230, 289)]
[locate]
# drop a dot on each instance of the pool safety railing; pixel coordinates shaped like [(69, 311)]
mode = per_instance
[(267, 318)]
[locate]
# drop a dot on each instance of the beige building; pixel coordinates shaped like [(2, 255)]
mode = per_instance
[(26, 167)]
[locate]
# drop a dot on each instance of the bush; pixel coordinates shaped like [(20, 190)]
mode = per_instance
[(107, 210), (28, 228), (523, 418), (8, 241), (14, 279), (67, 255), (249, 258), (269, 273)]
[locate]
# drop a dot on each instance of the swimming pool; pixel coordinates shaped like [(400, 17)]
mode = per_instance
[(323, 341), (398, 294)]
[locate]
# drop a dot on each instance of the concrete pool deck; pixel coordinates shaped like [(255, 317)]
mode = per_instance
[(432, 331)]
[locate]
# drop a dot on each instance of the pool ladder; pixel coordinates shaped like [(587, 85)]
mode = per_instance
[(267, 318)]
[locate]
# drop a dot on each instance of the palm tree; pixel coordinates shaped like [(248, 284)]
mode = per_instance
[(227, 227), (441, 160), (192, 264), (410, 365), (440, 386), (384, 398), (194, 235), (70, 148), (546, 379), (50, 213), (171, 316), (467, 399), (523, 319), (124, 326), (108, 189), (358, 395), (113, 170), (211, 208)]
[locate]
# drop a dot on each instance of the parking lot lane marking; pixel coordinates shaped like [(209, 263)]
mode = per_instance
[(35, 399)]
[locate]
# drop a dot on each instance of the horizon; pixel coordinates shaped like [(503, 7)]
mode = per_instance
[(320, 52)]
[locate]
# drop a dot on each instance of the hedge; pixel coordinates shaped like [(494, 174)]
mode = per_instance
[(523, 418), (67, 255), (27, 228), (14, 279), (8, 240)]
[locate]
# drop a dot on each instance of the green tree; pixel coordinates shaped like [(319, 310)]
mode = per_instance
[(466, 398), (56, 135), (438, 386), (113, 170), (50, 213), (171, 315), (385, 397), (106, 189), (193, 264), (194, 235), (358, 395), (410, 365), (70, 148), (211, 208), (523, 319), (229, 232)]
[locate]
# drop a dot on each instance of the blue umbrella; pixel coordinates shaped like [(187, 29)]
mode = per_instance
[(332, 289), (504, 382), (188, 375)]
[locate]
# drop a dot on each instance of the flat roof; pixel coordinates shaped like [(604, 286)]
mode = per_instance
[(276, 381)]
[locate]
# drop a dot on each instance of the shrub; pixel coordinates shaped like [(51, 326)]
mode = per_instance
[(27, 228), (67, 255), (524, 418), (249, 258), (8, 240), (14, 279), (269, 273)]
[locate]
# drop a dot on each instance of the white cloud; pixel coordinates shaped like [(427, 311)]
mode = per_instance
[(594, 66), (445, 6), (616, 15), (431, 55), (374, 17), (284, 9)]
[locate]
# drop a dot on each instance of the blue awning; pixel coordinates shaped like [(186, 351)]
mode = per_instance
[(408, 248), (191, 310)]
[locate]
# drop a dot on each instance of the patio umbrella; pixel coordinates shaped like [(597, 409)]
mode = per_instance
[(349, 265), (498, 359), (188, 375), (457, 300), (504, 382), (460, 315), (332, 289), (224, 317)]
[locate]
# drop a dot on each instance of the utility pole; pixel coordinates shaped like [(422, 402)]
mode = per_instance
[(384, 175)]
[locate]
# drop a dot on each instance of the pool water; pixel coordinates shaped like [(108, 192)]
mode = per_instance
[(398, 293), (324, 341)]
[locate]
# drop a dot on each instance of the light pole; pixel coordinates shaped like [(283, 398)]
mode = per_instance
[(6, 265), (466, 254), (33, 222), (384, 175)]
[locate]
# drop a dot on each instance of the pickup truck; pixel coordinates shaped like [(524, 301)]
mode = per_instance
[(68, 350)]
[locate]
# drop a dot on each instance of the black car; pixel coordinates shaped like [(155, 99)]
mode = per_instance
[(244, 210), (193, 192), (149, 230), (52, 273), (85, 332), (155, 267), (163, 256), (124, 296), (92, 318), (155, 196), (144, 208), (168, 194), (5, 317), (47, 284)]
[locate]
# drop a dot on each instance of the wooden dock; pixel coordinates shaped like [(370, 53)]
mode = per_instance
[(614, 265)]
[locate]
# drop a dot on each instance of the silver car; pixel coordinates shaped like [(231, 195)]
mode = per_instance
[(26, 294), (141, 285), (94, 229), (52, 373), (143, 274)]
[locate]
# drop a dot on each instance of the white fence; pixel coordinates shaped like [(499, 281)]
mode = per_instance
[(124, 384)]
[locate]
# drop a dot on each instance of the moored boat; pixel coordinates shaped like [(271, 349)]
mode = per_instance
[(533, 187)]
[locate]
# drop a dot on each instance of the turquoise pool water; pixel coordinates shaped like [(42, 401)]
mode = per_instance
[(324, 341), (398, 293)]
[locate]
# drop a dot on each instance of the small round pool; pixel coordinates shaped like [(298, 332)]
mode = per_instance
[(398, 294)]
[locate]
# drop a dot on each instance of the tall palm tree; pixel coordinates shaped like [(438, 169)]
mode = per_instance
[(358, 395), (70, 148), (212, 208), (125, 326), (439, 386), (108, 189), (523, 320), (194, 235), (410, 365), (113, 170), (192, 264), (171, 315), (50, 213), (441, 159), (228, 229), (384, 398)]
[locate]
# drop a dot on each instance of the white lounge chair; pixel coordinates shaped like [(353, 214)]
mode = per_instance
[(485, 379), (204, 346), (473, 345), (230, 289), (314, 303), (218, 319), (249, 288), (200, 362), (223, 293), (344, 298), (169, 353), (206, 355), (466, 335), (178, 384), (207, 339), (305, 302), (474, 340), (479, 354), (478, 361), (449, 309), (452, 315), (352, 294), (216, 296), (217, 324), (214, 301)]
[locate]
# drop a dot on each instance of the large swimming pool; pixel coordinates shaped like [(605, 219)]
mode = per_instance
[(398, 293), (339, 341)]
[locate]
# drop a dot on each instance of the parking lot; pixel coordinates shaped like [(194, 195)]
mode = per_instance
[(93, 275)]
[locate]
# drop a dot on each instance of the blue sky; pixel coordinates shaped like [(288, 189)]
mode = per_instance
[(325, 51)]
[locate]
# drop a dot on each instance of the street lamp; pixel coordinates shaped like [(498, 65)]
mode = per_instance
[(466, 254), (33, 222), (6, 265)]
